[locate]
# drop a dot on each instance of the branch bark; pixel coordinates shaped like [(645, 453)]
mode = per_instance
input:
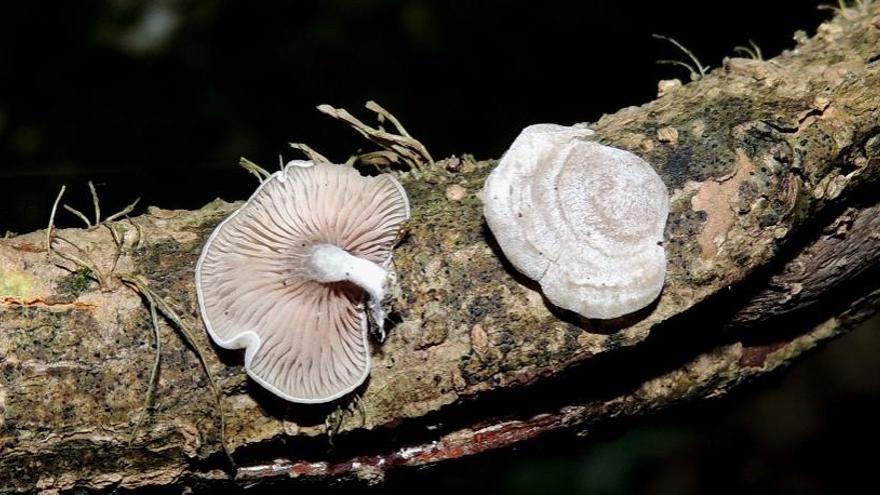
[(772, 245)]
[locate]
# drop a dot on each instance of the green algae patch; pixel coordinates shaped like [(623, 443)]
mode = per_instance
[(15, 284)]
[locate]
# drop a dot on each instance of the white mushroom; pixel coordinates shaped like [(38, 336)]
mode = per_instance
[(286, 277), (584, 220)]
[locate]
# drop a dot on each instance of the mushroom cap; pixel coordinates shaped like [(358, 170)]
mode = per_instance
[(584, 220), (305, 341)]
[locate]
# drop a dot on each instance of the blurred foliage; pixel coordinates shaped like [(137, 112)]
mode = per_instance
[(160, 98)]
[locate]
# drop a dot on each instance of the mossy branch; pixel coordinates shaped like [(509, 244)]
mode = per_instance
[(771, 246)]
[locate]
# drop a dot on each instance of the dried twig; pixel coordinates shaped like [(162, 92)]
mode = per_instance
[(381, 158), (118, 241), (123, 212), (376, 159), (81, 260), (137, 229), (845, 9), (310, 153), (52, 221), (382, 114), (409, 149), (257, 171), (697, 70), (96, 203), (154, 373), (188, 338), (753, 51), (79, 214)]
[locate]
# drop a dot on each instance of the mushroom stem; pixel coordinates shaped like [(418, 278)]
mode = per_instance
[(329, 263)]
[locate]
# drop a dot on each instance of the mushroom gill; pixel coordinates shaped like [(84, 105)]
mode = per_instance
[(287, 274)]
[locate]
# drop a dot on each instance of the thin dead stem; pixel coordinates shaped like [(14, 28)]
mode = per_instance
[(80, 258), (382, 114), (123, 212), (381, 158), (96, 203), (188, 338), (753, 51), (697, 70), (154, 373), (310, 153), (410, 150), (79, 214), (137, 229), (52, 222), (848, 10), (257, 171), (118, 241)]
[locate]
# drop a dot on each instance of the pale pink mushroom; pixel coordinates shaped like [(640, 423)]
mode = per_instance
[(287, 275)]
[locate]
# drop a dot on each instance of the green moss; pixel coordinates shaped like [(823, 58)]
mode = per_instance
[(75, 284)]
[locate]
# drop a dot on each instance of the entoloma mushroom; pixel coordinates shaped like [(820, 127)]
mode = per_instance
[(291, 275), (584, 220)]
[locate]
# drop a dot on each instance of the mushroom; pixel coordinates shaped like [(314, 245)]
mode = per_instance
[(286, 277), (584, 220)]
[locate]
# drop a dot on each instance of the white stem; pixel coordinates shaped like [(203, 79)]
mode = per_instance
[(330, 263)]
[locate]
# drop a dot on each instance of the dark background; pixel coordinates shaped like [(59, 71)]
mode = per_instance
[(158, 100)]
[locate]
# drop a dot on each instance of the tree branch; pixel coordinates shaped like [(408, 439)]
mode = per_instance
[(773, 168)]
